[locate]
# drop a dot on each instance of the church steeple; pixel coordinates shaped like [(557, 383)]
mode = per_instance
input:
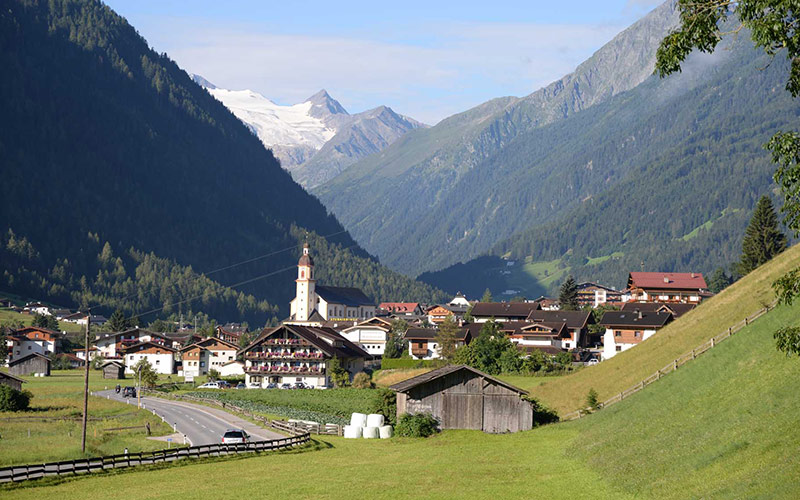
[(306, 286)]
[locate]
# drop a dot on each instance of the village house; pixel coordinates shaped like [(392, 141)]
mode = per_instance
[(111, 345), (315, 305), (30, 340), (625, 329), (461, 397), (289, 353), (594, 295), (666, 287), (160, 356), (548, 337), (36, 308), (547, 303), (677, 309), (502, 311), (371, 335), (400, 309), (422, 341), (459, 301), (231, 369), (209, 354), (232, 332), (577, 323), (93, 351)]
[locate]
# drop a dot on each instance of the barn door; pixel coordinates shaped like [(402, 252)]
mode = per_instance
[(462, 411)]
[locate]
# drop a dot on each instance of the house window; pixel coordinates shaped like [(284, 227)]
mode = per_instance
[(619, 348), (618, 333), (637, 334), (158, 361), (202, 363), (29, 348)]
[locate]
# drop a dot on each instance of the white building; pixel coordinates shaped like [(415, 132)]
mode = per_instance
[(110, 345), (231, 369), (208, 354), (422, 342), (370, 335), (625, 329), (313, 305), (459, 300), (160, 357)]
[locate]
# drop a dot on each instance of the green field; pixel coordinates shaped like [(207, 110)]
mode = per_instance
[(7, 316), (712, 317), (722, 426), (61, 395)]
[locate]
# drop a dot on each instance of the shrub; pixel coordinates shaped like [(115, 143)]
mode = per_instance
[(542, 414), (362, 380), (14, 400), (419, 425), (591, 400)]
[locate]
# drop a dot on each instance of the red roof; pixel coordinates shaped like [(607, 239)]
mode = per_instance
[(681, 281), (399, 306)]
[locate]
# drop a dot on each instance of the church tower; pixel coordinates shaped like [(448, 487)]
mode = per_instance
[(306, 295)]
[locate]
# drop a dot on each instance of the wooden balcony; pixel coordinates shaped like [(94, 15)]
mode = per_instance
[(286, 371), (284, 355)]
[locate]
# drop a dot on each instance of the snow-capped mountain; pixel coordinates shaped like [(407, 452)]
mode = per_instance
[(316, 139)]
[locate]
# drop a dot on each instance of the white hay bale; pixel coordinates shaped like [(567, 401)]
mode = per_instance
[(370, 433), (358, 419), (374, 420), (352, 431), (385, 431)]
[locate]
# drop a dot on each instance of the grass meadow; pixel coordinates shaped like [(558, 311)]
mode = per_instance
[(61, 395)]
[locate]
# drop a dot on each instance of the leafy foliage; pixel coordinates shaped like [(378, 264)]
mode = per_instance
[(420, 425), (45, 321), (144, 372), (394, 340), (362, 380), (787, 339), (14, 400)]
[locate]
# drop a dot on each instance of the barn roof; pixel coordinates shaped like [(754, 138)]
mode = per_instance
[(12, 377), (17, 361), (447, 370), (114, 362)]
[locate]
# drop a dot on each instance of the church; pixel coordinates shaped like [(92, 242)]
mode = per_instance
[(317, 305)]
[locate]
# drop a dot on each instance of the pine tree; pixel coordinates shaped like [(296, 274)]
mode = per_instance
[(117, 322), (487, 296), (568, 298), (763, 238), (446, 338)]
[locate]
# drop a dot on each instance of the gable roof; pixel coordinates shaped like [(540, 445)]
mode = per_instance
[(677, 309), (12, 377), (635, 319), (316, 336), (24, 331), (374, 321), (216, 340), (399, 306), (590, 284), (344, 295), (667, 281), (17, 361), (140, 345), (430, 333), (409, 384), (504, 309), (573, 319), (115, 362)]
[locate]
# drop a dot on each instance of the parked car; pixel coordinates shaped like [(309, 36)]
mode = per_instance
[(210, 385), (300, 385), (286, 386), (254, 385), (241, 385), (272, 385), (129, 392), (235, 436), (592, 361)]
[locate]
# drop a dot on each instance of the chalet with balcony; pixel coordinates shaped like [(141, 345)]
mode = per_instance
[(595, 295), (232, 332), (626, 329), (371, 335), (422, 341), (111, 345), (547, 336), (400, 309), (577, 323), (209, 354), (688, 288), (298, 353), (31, 340)]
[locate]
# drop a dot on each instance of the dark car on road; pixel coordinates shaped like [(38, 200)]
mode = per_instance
[(129, 392)]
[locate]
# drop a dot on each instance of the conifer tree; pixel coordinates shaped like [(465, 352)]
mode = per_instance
[(763, 238), (117, 322), (568, 298), (446, 338), (487, 296)]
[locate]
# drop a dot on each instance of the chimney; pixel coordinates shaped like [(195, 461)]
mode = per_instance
[(666, 280), (693, 275), (637, 313)]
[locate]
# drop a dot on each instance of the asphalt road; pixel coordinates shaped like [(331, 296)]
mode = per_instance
[(200, 424)]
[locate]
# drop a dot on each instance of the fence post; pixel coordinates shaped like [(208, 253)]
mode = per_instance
[(712, 342), (693, 355), (745, 321), (675, 365)]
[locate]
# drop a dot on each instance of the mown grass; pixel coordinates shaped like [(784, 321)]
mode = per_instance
[(61, 395), (712, 317), (7, 315), (386, 378), (722, 426)]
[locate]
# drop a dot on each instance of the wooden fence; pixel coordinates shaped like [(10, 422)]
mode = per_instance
[(16, 473), (675, 364)]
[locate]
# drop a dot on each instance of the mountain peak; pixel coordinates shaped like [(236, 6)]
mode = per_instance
[(202, 81), (324, 105)]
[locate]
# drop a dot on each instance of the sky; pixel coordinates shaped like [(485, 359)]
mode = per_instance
[(424, 59)]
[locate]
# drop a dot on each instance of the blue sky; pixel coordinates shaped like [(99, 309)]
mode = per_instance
[(425, 59)]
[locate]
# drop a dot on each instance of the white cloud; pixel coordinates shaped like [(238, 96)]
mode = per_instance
[(459, 65)]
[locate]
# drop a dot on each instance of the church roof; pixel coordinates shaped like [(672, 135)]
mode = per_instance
[(344, 295)]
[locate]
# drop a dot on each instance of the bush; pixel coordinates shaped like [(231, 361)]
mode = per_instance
[(419, 425), (591, 400), (362, 381), (14, 400), (542, 414)]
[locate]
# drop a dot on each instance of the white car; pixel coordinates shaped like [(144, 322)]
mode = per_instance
[(210, 385), (235, 436)]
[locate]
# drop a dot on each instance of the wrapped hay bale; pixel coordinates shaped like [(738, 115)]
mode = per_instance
[(374, 420), (358, 419), (385, 431), (352, 431), (370, 433)]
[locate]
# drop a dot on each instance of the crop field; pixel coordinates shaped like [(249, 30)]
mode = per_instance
[(61, 396), (324, 406)]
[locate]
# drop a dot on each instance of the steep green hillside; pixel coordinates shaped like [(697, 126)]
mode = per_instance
[(712, 317), (722, 426), (105, 140)]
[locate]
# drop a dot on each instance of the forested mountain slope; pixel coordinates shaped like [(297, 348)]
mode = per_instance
[(660, 175), (417, 178), (104, 140)]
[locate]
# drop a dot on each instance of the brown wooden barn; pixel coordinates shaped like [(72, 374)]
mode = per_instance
[(30, 364), (113, 369), (461, 397), (11, 381)]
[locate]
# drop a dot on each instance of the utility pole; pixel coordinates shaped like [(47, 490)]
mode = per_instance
[(139, 392), (86, 380)]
